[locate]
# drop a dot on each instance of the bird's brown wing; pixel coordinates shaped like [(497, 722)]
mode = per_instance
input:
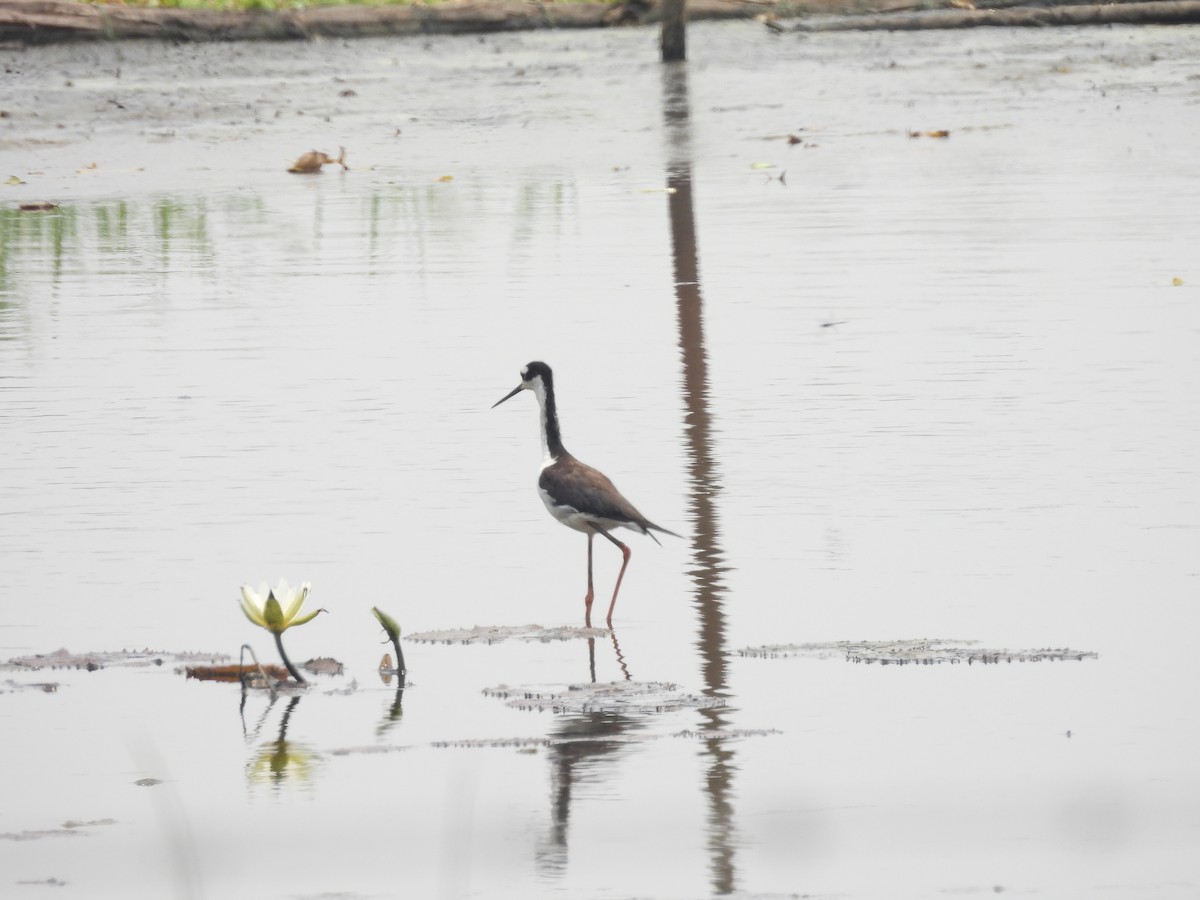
[(590, 491)]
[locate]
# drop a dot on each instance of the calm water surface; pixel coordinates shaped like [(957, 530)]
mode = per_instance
[(917, 388)]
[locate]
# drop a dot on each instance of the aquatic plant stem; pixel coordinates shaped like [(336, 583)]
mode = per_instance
[(287, 662), (266, 679), (399, 659)]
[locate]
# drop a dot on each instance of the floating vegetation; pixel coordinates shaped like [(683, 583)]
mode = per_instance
[(323, 665), (920, 651), (725, 734), (65, 659), (611, 697), (234, 672), (375, 748), (475, 743), (493, 634)]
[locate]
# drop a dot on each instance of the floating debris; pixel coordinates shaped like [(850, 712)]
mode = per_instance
[(38, 206), (616, 696), (234, 672), (493, 634), (940, 134), (148, 782), (921, 651), (310, 163)]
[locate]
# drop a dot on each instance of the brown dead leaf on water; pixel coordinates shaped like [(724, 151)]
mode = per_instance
[(233, 672), (941, 134), (311, 162)]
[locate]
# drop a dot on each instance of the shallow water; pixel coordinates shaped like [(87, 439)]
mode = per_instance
[(213, 372)]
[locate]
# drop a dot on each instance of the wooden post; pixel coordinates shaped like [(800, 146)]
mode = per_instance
[(674, 30)]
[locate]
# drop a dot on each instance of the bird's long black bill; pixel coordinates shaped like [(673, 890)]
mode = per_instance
[(512, 393)]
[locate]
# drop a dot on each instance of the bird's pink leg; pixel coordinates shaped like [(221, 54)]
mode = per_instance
[(625, 554), (587, 601)]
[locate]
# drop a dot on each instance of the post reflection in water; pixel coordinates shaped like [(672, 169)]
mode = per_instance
[(705, 483), (581, 742)]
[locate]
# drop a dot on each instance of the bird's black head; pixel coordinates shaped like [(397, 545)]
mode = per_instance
[(534, 370), (533, 374)]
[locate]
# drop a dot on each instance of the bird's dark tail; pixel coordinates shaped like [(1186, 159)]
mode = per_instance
[(650, 528)]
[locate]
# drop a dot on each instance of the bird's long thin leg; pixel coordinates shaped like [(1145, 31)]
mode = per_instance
[(625, 554), (587, 601)]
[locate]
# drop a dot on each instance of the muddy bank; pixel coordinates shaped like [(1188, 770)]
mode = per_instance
[(53, 21), (47, 21), (1154, 12)]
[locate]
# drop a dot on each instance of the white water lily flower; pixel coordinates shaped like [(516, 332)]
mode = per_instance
[(280, 610)]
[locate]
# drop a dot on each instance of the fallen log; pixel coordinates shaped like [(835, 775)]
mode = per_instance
[(1153, 12)]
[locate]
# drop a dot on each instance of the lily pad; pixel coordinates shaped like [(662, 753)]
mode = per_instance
[(919, 651), (65, 659), (493, 634), (611, 697)]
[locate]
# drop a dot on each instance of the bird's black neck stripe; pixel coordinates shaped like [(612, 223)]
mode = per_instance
[(551, 436)]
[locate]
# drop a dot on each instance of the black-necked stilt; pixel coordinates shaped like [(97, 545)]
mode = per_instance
[(576, 494)]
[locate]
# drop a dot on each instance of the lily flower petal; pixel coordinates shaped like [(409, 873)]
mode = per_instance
[(294, 607), (308, 618), (252, 606)]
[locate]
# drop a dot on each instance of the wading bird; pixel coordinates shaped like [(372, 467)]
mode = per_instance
[(574, 493)]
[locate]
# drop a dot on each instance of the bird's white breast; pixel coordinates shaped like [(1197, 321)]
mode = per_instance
[(573, 518)]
